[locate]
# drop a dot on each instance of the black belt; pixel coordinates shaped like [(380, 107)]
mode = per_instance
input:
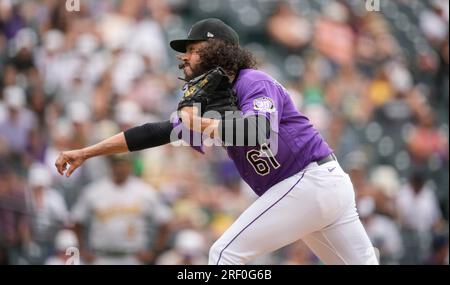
[(326, 159)]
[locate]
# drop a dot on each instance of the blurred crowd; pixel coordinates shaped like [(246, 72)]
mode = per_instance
[(375, 84)]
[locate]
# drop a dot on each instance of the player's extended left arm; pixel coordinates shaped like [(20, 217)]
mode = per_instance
[(137, 138)]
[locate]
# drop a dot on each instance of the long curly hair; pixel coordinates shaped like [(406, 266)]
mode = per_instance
[(231, 58)]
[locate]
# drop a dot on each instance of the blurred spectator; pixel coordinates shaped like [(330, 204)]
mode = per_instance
[(427, 141), (289, 29), (189, 248), (16, 128), (65, 241), (387, 183), (80, 116), (380, 90), (128, 114), (24, 43), (419, 214), (383, 232), (14, 230), (346, 95), (48, 59), (417, 205), (333, 36), (48, 214), (434, 22), (10, 20), (113, 218), (103, 97)]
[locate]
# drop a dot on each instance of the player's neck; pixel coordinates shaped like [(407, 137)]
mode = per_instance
[(234, 77)]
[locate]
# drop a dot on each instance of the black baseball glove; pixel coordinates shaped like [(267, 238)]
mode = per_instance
[(212, 90)]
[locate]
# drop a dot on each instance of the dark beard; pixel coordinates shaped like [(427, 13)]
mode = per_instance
[(197, 71)]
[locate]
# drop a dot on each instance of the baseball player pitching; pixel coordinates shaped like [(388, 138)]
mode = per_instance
[(303, 192)]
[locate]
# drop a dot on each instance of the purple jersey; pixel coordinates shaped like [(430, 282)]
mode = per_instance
[(298, 142), (294, 142)]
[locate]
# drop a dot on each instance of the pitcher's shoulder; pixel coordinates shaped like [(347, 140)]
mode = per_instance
[(248, 77), (253, 75)]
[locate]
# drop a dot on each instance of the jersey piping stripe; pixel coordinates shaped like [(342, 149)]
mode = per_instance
[(259, 217)]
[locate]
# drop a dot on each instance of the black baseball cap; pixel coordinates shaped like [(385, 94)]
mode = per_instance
[(203, 30)]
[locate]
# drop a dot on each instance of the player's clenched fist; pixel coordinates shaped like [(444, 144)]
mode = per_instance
[(73, 158)]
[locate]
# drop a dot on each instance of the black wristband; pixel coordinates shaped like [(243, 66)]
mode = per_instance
[(249, 131), (148, 135)]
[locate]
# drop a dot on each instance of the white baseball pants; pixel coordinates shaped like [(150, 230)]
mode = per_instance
[(316, 205)]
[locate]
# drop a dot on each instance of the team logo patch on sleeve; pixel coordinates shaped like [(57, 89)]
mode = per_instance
[(264, 104)]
